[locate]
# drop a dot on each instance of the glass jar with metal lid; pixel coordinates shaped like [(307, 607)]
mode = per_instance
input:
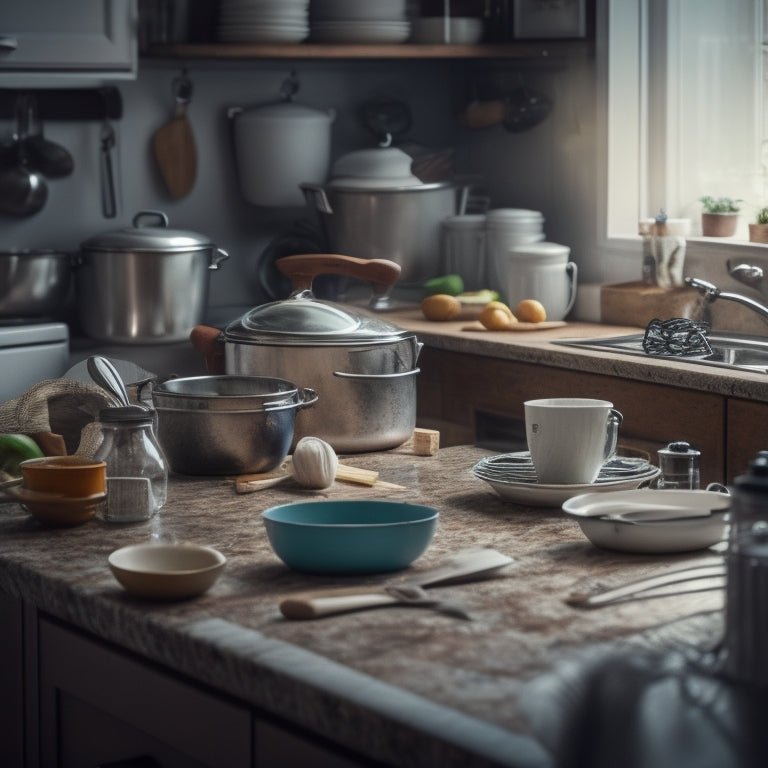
[(137, 472)]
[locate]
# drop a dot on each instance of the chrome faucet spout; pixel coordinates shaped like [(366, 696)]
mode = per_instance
[(712, 292)]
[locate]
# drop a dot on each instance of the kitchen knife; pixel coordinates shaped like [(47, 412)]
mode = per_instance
[(464, 565)]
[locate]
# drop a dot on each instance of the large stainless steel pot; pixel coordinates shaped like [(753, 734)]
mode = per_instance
[(144, 284), (401, 224), (362, 368), (34, 283)]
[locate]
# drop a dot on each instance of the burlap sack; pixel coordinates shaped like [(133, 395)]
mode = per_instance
[(56, 413)]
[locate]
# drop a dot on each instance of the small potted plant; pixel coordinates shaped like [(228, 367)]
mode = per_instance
[(758, 232), (720, 216)]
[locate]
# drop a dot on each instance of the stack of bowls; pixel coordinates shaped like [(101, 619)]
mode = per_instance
[(350, 21), (263, 21)]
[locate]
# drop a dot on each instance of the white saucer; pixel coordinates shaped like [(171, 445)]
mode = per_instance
[(536, 495)]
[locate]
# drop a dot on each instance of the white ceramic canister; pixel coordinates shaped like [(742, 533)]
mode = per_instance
[(507, 228), (277, 148), (462, 249), (539, 271)]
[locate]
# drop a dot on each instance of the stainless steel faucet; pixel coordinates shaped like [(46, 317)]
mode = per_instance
[(746, 273)]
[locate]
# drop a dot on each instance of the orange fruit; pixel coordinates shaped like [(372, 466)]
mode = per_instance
[(441, 306), (531, 311)]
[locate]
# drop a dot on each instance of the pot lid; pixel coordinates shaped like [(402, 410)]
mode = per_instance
[(302, 320), (141, 237), (375, 167), (285, 110)]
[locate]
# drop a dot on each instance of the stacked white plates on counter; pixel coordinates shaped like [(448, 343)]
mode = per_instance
[(513, 478), (263, 21), (351, 21)]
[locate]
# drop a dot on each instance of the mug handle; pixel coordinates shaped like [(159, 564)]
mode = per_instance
[(572, 271), (615, 419)]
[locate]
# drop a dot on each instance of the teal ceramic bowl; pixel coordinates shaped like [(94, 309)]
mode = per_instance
[(345, 537)]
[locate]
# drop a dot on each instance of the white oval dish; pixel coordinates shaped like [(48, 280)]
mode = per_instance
[(166, 571), (676, 534)]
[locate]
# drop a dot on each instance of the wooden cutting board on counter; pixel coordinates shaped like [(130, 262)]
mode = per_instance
[(517, 327)]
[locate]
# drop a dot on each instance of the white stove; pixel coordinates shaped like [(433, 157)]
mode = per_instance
[(30, 353)]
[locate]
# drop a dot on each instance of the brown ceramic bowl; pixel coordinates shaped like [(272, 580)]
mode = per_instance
[(56, 510), (73, 477)]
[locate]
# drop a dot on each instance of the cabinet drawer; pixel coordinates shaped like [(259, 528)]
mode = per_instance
[(99, 705)]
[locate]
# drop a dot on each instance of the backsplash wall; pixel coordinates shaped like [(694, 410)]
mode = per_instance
[(549, 168)]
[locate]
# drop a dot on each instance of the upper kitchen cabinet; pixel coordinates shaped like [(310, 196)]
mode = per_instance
[(47, 43)]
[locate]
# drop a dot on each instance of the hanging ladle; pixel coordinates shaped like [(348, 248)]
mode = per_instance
[(23, 192)]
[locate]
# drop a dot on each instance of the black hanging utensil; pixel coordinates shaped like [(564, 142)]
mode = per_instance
[(525, 108), (108, 198)]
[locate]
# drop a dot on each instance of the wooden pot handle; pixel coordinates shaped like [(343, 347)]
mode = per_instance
[(302, 268), (208, 342)]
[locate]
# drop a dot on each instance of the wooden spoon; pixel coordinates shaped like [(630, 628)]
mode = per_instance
[(174, 145)]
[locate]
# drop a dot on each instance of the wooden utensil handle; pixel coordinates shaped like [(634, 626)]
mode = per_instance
[(302, 268), (313, 605)]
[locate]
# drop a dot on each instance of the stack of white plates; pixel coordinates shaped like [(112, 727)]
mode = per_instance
[(352, 21), (513, 478), (263, 21)]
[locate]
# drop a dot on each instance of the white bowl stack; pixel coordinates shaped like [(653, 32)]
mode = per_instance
[(352, 21), (263, 21)]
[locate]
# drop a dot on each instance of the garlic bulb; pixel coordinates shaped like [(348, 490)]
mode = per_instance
[(314, 463)]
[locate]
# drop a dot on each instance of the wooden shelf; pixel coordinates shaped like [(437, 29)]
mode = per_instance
[(223, 51)]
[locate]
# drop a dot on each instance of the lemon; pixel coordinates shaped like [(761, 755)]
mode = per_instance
[(441, 306), (451, 285), (531, 311)]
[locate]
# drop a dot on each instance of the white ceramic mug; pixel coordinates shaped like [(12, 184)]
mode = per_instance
[(570, 437), (539, 271)]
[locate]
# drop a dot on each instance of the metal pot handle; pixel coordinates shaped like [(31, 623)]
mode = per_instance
[(385, 376), (572, 271), (308, 398), (217, 257), (159, 214)]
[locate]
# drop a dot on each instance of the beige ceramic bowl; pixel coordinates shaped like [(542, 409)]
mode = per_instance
[(75, 477), (166, 571)]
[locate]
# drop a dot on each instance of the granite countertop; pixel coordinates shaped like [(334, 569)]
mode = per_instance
[(535, 346), (405, 685)]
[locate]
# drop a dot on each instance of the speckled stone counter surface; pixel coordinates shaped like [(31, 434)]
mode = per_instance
[(405, 685), (537, 347)]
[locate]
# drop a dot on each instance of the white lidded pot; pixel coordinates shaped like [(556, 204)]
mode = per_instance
[(278, 147), (539, 271)]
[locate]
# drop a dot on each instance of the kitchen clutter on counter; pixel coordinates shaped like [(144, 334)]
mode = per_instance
[(362, 368)]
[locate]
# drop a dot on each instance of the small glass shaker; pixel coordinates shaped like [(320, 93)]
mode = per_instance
[(679, 464), (137, 472)]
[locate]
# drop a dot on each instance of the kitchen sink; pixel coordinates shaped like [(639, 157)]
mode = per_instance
[(729, 350)]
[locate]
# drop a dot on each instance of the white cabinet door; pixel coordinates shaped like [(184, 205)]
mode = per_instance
[(49, 42)]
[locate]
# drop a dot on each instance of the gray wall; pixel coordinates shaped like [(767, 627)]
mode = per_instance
[(549, 168)]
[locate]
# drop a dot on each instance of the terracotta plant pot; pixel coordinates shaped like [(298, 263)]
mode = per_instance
[(719, 224), (758, 233)]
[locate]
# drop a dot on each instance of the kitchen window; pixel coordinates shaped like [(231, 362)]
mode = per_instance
[(684, 87)]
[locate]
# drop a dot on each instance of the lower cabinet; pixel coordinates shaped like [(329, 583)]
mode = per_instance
[(101, 706), (11, 682), (481, 398)]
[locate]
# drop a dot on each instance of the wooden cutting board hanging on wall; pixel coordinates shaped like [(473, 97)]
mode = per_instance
[(174, 144)]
